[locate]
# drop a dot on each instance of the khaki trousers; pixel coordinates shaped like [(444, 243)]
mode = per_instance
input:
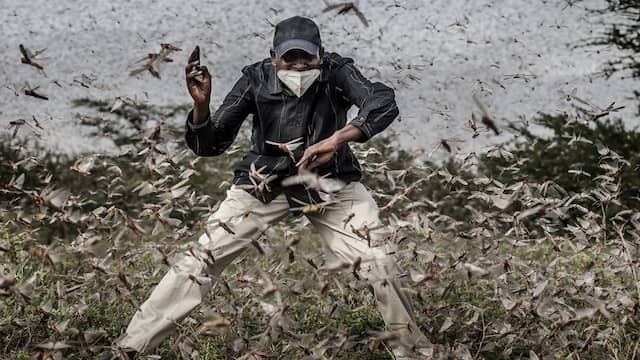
[(177, 294)]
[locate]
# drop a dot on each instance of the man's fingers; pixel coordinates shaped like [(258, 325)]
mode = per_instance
[(305, 157), (191, 65), (310, 163), (303, 163), (319, 161), (194, 75), (195, 71), (302, 167), (313, 165), (194, 59), (205, 70)]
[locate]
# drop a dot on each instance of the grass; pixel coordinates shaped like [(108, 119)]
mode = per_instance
[(61, 295)]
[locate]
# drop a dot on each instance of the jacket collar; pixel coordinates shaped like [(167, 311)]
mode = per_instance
[(275, 85)]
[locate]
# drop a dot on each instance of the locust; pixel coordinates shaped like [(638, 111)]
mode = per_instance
[(320, 207), (288, 147), (346, 7)]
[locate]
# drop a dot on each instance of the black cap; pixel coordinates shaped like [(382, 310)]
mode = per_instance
[(296, 33)]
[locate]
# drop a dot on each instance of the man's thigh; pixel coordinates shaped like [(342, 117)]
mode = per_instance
[(239, 220), (353, 208), (353, 218), (241, 215)]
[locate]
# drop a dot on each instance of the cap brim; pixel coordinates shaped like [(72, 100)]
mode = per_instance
[(305, 45)]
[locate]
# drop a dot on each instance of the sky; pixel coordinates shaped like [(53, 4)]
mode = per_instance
[(519, 57)]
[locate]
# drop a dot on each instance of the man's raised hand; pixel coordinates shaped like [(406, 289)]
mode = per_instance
[(198, 80)]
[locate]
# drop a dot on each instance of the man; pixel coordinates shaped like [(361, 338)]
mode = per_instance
[(299, 98)]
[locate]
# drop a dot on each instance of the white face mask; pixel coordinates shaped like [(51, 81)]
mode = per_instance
[(298, 81)]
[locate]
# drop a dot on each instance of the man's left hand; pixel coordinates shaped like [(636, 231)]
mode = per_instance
[(318, 154)]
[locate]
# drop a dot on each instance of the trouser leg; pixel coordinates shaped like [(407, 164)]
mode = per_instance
[(345, 228), (191, 277)]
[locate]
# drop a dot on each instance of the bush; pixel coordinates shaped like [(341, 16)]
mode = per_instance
[(571, 156)]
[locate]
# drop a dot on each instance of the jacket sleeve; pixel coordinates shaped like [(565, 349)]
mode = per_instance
[(218, 131), (376, 101)]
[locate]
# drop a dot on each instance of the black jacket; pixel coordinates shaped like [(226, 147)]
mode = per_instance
[(280, 116)]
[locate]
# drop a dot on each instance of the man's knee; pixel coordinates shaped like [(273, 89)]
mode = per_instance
[(188, 262)]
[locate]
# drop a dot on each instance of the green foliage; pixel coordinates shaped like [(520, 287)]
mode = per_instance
[(624, 34), (563, 150)]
